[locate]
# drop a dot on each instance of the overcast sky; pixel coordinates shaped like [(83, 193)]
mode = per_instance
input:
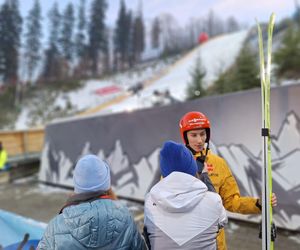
[(243, 10)]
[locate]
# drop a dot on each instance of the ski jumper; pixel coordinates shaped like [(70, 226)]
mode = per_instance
[(226, 186)]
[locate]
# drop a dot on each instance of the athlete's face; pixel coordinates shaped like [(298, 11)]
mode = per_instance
[(196, 139)]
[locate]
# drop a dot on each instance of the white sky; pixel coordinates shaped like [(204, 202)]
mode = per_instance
[(243, 10), (183, 10)]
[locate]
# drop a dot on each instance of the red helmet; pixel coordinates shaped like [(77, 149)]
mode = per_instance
[(194, 120)]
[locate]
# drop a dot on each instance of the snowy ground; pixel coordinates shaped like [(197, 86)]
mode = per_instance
[(216, 56), (86, 97)]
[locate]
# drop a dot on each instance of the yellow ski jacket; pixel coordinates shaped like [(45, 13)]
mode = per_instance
[(3, 158), (226, 186)]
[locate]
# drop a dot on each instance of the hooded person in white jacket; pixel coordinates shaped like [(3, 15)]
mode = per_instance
[(180, 213)]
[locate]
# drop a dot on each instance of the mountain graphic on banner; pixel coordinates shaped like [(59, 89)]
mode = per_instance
[(133, 180), (128, 181), (246, 168), (285, 158), (288, 137)]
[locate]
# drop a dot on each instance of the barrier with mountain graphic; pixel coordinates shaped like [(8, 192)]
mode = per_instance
[(130, 142)]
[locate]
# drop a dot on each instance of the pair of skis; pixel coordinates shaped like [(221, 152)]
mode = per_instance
[(268, 227)]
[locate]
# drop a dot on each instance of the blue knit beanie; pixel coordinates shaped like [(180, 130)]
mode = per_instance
[(91, 174), (176, 157)]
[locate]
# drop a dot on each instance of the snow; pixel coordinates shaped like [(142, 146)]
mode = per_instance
[(85, 97), (21, 122), (216, 55), (213, 54)]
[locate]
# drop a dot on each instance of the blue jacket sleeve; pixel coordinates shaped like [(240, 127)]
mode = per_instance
[(47, 241), (138, 241)]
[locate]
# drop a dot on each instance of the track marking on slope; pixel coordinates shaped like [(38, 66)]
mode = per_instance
[(104, 105)]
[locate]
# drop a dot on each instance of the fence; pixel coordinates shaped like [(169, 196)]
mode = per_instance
[(22, 142)]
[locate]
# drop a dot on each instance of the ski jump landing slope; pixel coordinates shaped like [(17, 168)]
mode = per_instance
[(216, 55)]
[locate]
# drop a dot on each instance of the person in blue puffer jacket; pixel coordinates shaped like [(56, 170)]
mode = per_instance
[(92, 218)]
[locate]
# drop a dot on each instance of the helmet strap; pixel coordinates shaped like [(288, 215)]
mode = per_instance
[(207, 148), (192, 150)]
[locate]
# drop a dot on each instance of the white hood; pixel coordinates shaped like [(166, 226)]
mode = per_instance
[(178, 192)]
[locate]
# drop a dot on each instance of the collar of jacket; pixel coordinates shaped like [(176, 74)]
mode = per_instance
[(84, 197), (201, 153)]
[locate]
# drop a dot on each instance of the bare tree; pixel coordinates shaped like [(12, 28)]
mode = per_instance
[(155, 33), (170, 30), (232, 25), (214, 24)]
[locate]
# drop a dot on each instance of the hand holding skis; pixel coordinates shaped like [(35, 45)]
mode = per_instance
[(273, 200)]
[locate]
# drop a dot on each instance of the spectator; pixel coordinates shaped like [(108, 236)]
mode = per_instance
[(169, 98), (3, 158), (179, 211), (158, 99), (162, 98), (92, 218), (137, 88)]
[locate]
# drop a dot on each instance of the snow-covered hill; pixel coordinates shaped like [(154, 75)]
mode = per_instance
[(216, 55)]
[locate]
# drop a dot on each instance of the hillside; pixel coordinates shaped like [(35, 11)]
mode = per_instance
[(172, 74)]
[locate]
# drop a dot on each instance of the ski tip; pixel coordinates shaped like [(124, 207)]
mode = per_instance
[(257, 23), (272, 18), (258, 26)]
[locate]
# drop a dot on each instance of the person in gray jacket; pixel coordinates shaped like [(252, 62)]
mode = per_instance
[(92, 219), (180, 213)]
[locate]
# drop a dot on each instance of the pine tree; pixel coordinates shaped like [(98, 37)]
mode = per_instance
[(232, 25), (155, 33), (81, 46), (296, 15), (53, 67), (195, 88), (223, 84), (33, 37), (10, 32), (138, 37), (97, 34), (66, 40), (2, 41), (246, 73), (121, 37), (241, 76), (129, 21), (287, 56), (81, 28)]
